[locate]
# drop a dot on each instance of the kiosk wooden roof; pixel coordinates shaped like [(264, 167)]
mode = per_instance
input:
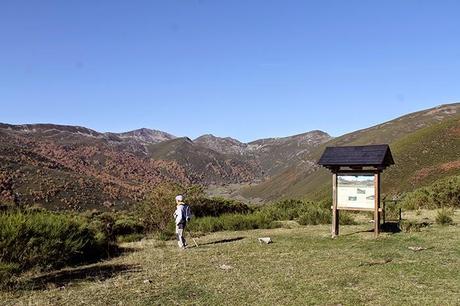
[(356, 157)]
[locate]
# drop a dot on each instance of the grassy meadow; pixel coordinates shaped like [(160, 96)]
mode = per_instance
[(303, 266)]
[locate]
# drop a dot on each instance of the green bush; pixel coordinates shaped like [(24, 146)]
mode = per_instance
[(412, 226), (442, 193), (217, 214), (157, 210), (127, 226), (231, 222), (129, 238), (444, 217), (304, 212), (214, 207), (46, 240), (286, 209), (7, 272), (168, 233), (345, 218), (315, 215)]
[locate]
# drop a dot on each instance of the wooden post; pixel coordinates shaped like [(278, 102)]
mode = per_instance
[(376, 204), (335, 212), (383, 211)]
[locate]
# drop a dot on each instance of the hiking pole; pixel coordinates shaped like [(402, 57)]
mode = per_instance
[(190, 234)]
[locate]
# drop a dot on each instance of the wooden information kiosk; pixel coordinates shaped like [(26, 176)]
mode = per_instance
[(356, 179)]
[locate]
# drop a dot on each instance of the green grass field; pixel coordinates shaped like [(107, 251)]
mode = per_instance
[(303, 266)]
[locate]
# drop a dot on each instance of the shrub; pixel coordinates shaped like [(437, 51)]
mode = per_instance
[(442, 193), (444, 217), (315, 215), (129, 238), (346, 218), (7, 272), (305, 212), (202, 207), (46, 240), (168, 233), (157, 210), (231, 222), (286, 209), (127, 226), (412, 226)]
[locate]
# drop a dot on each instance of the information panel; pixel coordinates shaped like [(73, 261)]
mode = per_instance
[(355, 191)]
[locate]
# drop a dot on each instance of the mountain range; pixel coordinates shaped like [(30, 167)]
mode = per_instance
[(70, 167)]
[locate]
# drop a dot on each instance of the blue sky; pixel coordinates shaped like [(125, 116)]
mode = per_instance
[(247, 69)]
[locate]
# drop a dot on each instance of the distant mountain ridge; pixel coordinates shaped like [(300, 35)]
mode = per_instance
[(273, 154), (146, 135), (72, 167), (436, 126)]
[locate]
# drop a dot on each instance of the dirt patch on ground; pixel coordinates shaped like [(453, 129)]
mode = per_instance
[(445, 167), (422, 173), (455, 131), (450, 166)]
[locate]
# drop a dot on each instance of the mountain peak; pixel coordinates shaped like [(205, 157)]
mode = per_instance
[(225, 145), (147, 135), (315, 136)]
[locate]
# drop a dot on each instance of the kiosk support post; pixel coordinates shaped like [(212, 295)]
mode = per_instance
[(335, 212), (377, 204)]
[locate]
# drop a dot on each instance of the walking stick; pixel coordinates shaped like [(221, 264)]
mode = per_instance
[(190, 234)]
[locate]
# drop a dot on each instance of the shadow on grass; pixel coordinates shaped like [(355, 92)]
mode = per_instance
[(118, 251), (88, 269), (387, 227), (358, 232), (64, 277), (390, 227), (223, 241)]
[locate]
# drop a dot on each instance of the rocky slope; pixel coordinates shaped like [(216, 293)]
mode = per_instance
[(273, 155)]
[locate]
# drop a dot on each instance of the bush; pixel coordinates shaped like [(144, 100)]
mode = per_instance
[(46, 240), (345, 218), (315, 215), (127, 226), (129, 238), (412, 226), (214, 207), (157, 210), (231, 222), (444, 217), (304, 212), (7, 272), (286, 209), (168, 233), (442, 193)]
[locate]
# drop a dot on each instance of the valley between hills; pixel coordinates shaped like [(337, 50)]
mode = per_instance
[(75, 168)]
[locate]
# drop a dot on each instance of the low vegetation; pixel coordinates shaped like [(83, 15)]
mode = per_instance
[(231, 222), (156, 211), (444, 193), (444, 216), (44, 241), (304, 212), (303, 266)]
